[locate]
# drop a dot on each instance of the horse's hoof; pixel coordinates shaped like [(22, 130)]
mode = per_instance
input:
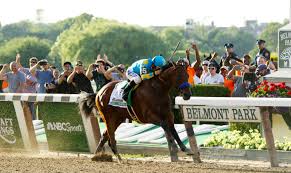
[(175, 159), (95, 158), (102, 158), (119, 160)]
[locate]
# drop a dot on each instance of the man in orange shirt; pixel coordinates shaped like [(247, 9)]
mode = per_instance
[(192, 68)]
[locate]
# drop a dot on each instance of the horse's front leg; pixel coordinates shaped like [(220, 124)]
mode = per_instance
[(195, 154), (180, 143), (171, 142)]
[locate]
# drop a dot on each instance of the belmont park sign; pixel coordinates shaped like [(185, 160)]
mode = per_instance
[(221, 114)]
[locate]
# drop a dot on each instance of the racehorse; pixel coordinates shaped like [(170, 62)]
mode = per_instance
[(150, 102)]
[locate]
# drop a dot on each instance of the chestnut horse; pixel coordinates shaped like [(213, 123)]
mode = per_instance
[(151, 103)]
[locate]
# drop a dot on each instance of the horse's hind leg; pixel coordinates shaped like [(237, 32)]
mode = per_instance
[(171, 142), (103, 140), (111, 127), (100, 148)]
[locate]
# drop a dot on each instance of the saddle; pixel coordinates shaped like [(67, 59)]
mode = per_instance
[(116, 95)]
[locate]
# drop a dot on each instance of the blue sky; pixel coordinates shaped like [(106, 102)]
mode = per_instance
[(150, 12)]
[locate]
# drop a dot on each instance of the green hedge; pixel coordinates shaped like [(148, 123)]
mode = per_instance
[(210, 91)]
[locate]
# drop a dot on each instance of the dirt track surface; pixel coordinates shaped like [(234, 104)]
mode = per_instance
[(52, 162)]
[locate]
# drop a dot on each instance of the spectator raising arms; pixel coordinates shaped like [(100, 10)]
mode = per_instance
[(191, 70), (15, 78), (44, 75), (31, 81), (79, 79), (117, 72), (63, 86)]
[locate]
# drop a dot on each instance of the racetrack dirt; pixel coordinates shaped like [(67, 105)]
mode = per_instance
[(54, 162)]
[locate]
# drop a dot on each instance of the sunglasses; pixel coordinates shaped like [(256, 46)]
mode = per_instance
[(33, 62), (212, 68), (205, 64)]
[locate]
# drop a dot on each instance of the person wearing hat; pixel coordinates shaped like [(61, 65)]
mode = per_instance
[(97, 72), (262, 60), (213, 78), (262, 51), (262, 70), (228, 55), (44, 75), (63, 86), (79, 79), (205, 71)]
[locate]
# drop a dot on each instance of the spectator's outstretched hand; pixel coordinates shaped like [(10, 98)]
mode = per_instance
[(188, 52), (214, 55), (5, 66), (17, 57), (193, 45), (105, 57), (99, 56)]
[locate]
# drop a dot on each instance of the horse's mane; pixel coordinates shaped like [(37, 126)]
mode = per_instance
[(168, 65)]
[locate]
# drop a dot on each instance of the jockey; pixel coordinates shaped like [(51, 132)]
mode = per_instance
[(141, 70)]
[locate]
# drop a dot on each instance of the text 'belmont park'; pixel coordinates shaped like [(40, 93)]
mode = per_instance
[(222, 114)]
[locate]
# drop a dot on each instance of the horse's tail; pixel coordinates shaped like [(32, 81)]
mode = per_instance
[(87, 103)]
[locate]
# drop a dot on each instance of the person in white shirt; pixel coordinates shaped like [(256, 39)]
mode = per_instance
[(205, 72), (213, 78), (197, 75)]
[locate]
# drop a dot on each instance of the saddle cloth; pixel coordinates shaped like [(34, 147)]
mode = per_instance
[(116, 95)]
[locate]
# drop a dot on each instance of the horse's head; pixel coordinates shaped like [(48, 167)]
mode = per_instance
[(178, 77)]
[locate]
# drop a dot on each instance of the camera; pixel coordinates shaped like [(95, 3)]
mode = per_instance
[(95, 65), (120, 69)]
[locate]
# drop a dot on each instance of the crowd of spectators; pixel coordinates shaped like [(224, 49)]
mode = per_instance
[(230, 70), (41, 77), (238, 74)]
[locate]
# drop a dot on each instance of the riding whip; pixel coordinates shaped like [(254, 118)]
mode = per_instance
[(170, 59)]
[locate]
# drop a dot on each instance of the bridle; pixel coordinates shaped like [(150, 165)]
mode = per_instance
[(184, 84)]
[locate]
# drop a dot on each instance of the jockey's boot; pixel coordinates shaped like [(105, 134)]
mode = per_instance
[(127, 89)]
